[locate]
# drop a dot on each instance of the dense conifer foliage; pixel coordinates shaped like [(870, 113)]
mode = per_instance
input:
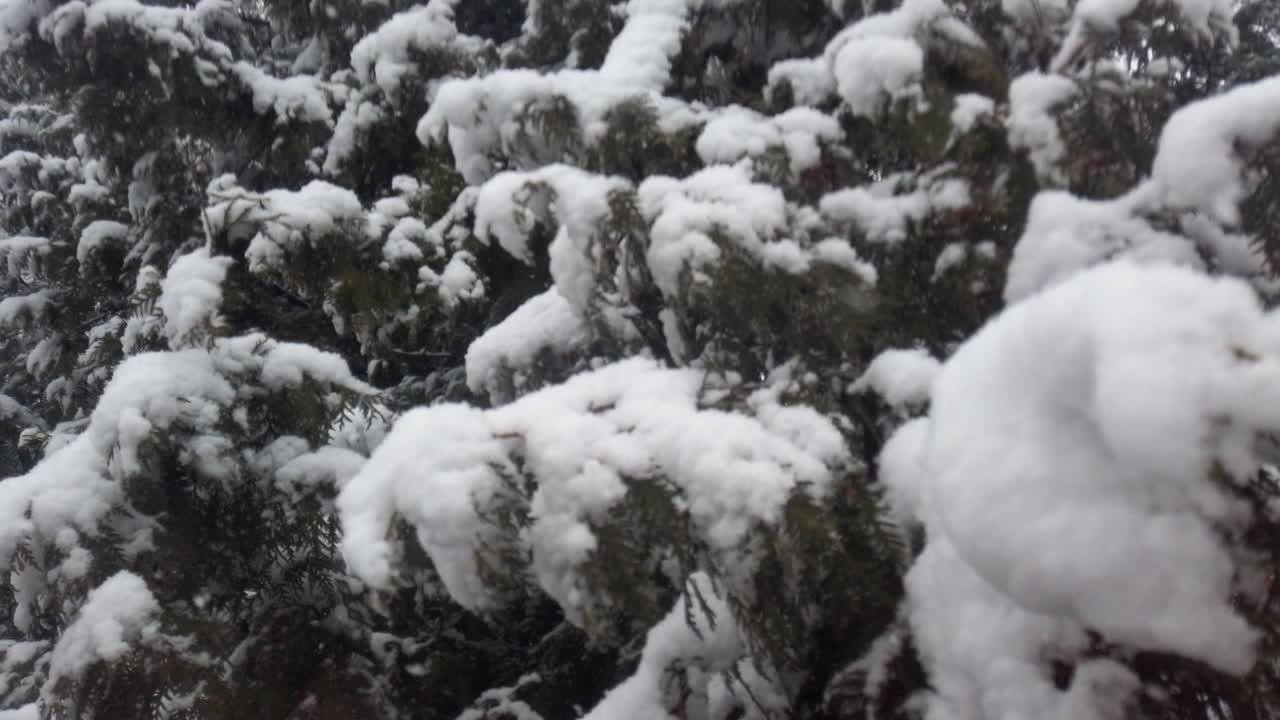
[(639, 359)]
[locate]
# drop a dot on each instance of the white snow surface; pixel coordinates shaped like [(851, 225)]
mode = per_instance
[(544, 323), (117, 615), (951, 255), (404, 241), (1036, 12), (98, 234), (987, 655), (901, 377), (738, 132), (638, 64), (883, 210), (327, 466), (287, 364), (1064, 479), (457, 282), (875, 60), (19, 253), (442, 466), (1101, 17), (508, 205), (384, 57), (969, 107), (16, 17), (684, 213), (356, 117), (185, 391), (301, 98), (385, 60), (1065, 234), (176, 31), (191, 294), (13, 411), (694, 220), (18, 309), (288, 221), (1198, 162), (500, 702), (1198, 174), (711, 646), (1032, 125)]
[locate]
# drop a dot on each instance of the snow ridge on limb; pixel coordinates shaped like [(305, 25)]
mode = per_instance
[(614, 239), (638, 64), (1206, 18), (584, 442), (546, 323), (877, 60), (698, 638), (1118, 407), (191, 294), (186, 391), (117, 614), (384, 56), (1199, 162), (1199, 175)]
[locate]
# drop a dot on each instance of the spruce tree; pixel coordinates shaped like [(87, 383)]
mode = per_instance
[(695, 359)]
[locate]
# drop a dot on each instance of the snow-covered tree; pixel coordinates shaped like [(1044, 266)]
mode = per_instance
[(696, 359)]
